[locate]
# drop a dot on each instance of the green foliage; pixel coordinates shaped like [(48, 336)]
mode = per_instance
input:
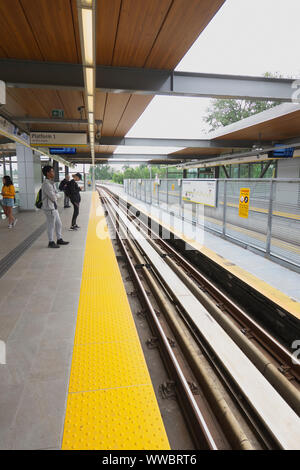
[(105, 172), (223, 112), (102, 172)]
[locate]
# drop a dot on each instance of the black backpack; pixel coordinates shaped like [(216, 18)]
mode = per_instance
[(67, 189), (39, 201), (62, 185)]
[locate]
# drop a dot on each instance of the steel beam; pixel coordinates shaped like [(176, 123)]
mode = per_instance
[(30, 120), (232, 156), (33, 74), (140, 156), (192, 143)]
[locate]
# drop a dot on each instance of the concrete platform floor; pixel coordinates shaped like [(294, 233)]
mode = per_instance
[(38, 308)]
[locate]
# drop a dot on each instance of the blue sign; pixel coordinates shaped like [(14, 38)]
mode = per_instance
[(281, 152), (65, 150)]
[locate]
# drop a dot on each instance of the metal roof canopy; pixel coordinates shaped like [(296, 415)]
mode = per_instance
[(50, 75), (132, 64)]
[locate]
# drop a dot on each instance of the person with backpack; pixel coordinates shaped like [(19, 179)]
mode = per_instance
[(62, 186), (49, 206), (73, 192), (8, 192)]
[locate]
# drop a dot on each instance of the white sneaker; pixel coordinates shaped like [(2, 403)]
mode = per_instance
[(10, 226), (14, 222)]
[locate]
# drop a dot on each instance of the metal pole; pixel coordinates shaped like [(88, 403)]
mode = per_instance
[(93, 177), (150, 185), (181, 201), (270, 213), (10, 168), (224, 208), (84, 178)]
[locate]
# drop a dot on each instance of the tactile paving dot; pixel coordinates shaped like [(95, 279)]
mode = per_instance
[(115, 419), (100, 327), (103, 365), (111, 402)]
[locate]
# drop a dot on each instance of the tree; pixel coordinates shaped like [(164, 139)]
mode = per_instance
[(226, 111), (102, 172)]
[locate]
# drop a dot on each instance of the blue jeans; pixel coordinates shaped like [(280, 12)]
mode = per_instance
[(8, 202)]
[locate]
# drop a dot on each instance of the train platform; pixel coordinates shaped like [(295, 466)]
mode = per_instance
[(75, 375), (275, 282)]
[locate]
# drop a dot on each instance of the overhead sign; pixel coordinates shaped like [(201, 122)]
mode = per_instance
[(11, 131), (281, 152), (2, 92), (200, 192), (61, 139), (57, 113), (64, 150), (244, 202)]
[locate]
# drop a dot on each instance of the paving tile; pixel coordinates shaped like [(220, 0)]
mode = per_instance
[(19, 360), (10, 396), (40, 417)]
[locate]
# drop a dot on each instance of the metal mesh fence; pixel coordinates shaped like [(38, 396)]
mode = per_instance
[(272, 223)]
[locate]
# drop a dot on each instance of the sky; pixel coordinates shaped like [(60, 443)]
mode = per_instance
[(246, 37)]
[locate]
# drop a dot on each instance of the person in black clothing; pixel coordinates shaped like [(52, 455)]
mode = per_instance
[(62, 187), (73, 191)]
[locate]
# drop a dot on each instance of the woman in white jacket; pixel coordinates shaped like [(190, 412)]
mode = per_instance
[(49, 198)]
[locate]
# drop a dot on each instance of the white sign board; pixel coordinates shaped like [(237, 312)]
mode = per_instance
[(200, 192), (2, 92), (10, 130), (61, 139)]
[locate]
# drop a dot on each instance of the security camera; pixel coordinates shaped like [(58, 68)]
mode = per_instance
[(98, 135)]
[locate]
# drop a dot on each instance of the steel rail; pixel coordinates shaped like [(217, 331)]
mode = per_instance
[(261, 431), (277, 350), (201, 431)]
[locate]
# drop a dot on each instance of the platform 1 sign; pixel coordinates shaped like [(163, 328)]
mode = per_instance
[(200, 192), (244, 202), (61, 139)]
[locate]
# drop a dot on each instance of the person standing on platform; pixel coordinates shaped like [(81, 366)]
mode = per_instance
[(8, 193), (49, 198), (73, 191), (62, 187)]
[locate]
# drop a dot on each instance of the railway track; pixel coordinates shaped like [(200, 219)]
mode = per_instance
[(225, 412)]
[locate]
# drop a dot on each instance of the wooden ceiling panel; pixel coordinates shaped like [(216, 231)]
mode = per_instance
[(114, 109), (16, 36), (12, 107), (55, 18), (70, 101), (104, 149), (200, 151), (184, 23), (283, 127), (139, 25), (27, 100), (135, 107), (106, 30)]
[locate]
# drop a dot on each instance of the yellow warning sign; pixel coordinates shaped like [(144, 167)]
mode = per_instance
[(244, 202)]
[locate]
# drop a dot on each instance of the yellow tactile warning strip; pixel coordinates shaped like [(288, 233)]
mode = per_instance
[(275, 295), (111, 402)]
